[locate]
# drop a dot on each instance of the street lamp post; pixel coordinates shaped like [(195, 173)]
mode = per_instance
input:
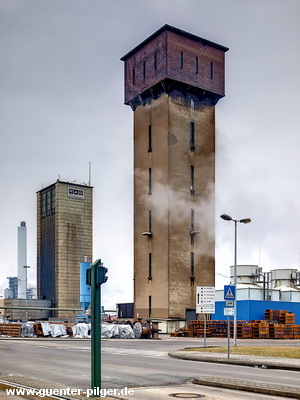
[(227, 217)]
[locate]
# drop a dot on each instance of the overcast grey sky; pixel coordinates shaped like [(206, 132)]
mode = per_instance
[(61, 106)]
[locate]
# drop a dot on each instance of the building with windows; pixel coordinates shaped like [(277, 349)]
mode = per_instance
[(173, 80), (12, 291), (64, 239)]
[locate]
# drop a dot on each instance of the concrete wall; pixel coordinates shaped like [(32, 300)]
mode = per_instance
[(22, 315)]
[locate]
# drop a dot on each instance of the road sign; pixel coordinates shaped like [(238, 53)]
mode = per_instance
[(205, 299), (228, 311), (229, 292), (229, 303)]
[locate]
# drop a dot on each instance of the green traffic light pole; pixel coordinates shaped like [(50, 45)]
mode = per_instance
[(95, 328), (95, 277)]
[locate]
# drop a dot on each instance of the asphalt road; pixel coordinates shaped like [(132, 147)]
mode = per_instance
[(124, 363)]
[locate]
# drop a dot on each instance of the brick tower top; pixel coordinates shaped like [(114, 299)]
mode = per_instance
[(171, 59)]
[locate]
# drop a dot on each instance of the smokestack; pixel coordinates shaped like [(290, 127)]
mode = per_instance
[(22, 259)]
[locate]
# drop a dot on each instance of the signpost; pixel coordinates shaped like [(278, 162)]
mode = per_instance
[(229, 310), (205, 303)]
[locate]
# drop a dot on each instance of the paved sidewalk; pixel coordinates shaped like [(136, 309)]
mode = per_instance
[(238, 359)]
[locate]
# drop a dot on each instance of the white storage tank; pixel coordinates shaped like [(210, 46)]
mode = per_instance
[(283, 280), (247, 287)]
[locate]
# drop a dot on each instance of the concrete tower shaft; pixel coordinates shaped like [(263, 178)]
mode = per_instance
[(172, 82)]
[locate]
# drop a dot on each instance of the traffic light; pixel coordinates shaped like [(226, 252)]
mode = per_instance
[(98, 272), (101, 275)]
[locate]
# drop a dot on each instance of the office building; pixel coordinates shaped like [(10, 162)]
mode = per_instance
[(64, 239)]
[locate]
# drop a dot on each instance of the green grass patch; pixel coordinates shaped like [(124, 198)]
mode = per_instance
[(270, 351)]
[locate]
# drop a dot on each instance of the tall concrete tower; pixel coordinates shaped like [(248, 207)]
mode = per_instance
[(64, 239), (22, 260), (173, 80)]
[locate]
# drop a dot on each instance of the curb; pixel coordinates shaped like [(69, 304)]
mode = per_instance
[(257, 362), (249, 386)]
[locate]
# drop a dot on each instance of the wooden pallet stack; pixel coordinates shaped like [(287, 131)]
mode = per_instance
[(11, 329), (260, 329), (272, 315), (244, 330), (278, 324), (281, 331), (181, 332), (296, 331)]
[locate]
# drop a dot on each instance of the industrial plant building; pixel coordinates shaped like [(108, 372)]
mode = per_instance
[(64, 239), (257, 291), (173, 80)]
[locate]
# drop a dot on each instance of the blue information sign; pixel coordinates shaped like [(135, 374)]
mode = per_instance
[(229, 292)]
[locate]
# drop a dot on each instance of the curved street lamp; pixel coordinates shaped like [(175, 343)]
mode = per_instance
[(227, 217)]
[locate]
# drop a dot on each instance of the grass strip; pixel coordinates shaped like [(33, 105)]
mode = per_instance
[(269, 351)]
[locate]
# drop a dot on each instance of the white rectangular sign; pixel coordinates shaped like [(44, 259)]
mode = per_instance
[(228, 311), (205, 299)]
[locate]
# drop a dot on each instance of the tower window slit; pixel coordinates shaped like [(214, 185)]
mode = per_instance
[(192, 225), (192, 267), (181, 59), (150, 181), (192, 185), (211, 70), (150, 221), (150, 306), (150, 267), (197, 65), (150, 138), (192, 135)]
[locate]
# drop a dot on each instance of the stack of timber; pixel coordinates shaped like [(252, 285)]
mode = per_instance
[(14, 329), (281, 331), (280, 316), (11, 329), (181, 332), (244, 330), (278, 324), (260, 329), (214, 328)]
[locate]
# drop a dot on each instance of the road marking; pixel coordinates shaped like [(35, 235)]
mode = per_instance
[(134, 352)]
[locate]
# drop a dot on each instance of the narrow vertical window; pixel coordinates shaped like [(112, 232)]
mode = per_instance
[(155, 61), (150, 139), (211, 70), (192, 267), (192, 219), (181, 59), (192, 135), (192, 187), (197, 65), (133, 76), (150, 221), (150, 267), (192, 225), (150, 306), (144, 69), (150, 181)]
